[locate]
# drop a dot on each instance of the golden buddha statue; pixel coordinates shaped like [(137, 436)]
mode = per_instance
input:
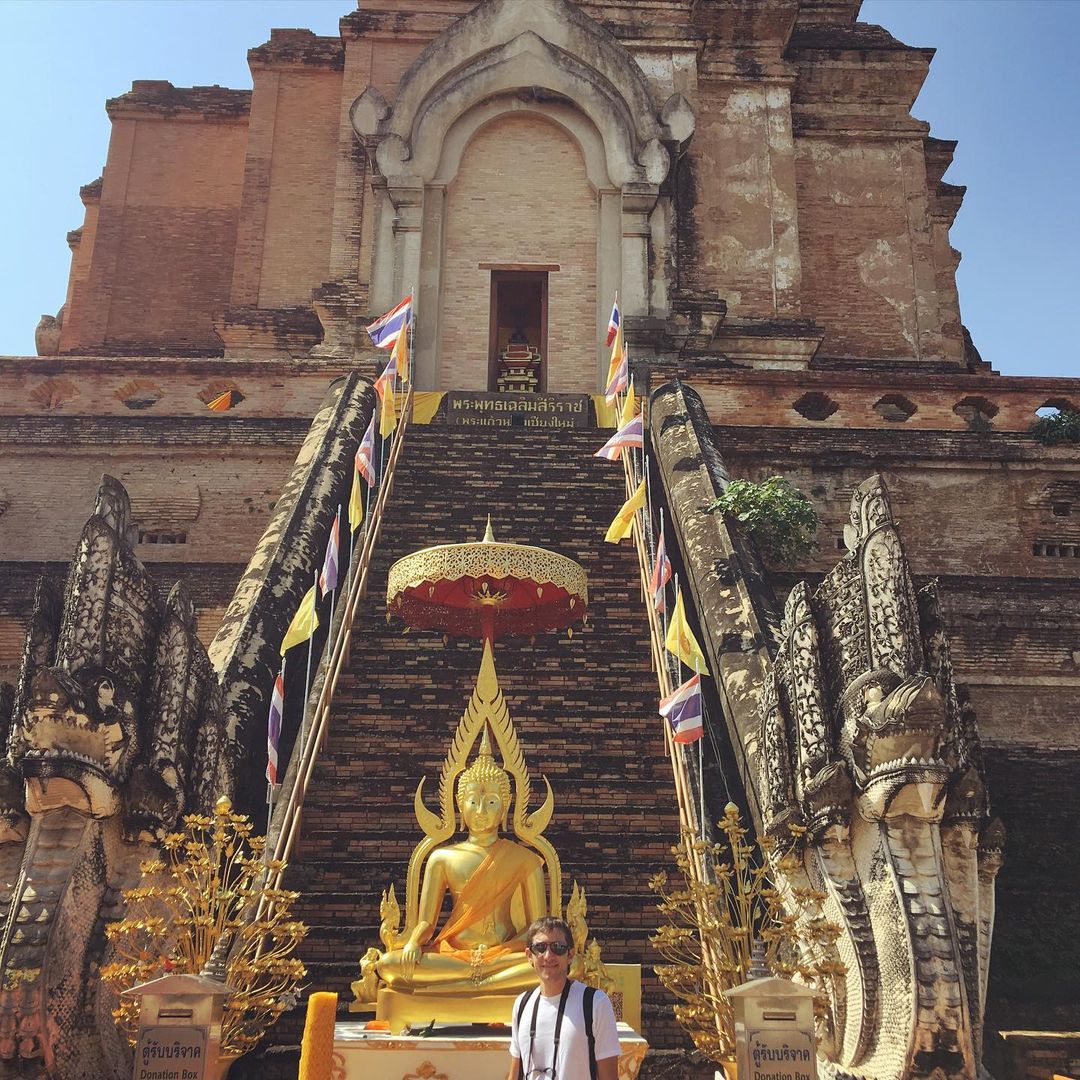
[(472, 966), (481, 946)]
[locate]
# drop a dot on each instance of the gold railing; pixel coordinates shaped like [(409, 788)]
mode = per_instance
[(315, 732)]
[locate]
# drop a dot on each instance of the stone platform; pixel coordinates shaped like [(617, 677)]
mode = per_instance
[(467, 1052)]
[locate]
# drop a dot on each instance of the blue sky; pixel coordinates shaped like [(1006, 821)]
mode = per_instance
[(1005, 83)]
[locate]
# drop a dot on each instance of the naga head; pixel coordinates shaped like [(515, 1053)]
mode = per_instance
[(894, 736), (76, 739)]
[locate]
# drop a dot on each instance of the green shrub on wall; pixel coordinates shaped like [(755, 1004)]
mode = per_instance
[(779, 518), (1062, 426)]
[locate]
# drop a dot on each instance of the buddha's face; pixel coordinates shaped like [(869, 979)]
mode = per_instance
[(481, 806)]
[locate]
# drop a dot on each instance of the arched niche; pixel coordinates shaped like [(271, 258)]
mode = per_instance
[(545, 59), (500, 239)]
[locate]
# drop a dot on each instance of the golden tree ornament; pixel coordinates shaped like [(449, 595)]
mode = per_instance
[(711, 927), (208, 884)]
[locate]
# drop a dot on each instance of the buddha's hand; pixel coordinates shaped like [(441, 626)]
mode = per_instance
[(411, 955)]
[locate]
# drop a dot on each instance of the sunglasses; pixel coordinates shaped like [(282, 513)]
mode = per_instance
[(558, 948)]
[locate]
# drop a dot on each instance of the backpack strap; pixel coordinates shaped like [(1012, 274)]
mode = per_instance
[(587, 1009), (521, 1008), (516, 1026)]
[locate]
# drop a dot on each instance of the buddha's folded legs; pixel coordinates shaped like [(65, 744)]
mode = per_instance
[(437, 971)]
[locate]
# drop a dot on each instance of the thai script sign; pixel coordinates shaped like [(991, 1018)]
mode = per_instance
[(781, 1055), (171, 1053), (466, 409)]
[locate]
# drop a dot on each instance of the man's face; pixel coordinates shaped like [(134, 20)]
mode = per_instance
[(553, 970)]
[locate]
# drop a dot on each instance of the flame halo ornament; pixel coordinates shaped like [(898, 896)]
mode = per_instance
[(486, 711)]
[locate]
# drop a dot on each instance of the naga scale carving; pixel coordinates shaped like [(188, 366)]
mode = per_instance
[(115, 731), (870, 752)]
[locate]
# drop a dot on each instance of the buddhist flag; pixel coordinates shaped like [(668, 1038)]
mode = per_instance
[(624, 519), (304, 623), (328, 579), (365, 454), (224, 401), (356, 503), (682, 710), (661, 575), (273, 727), (386, 329), (617, 370), (384, 385), (680, 640), (613, 322), (631, 434)]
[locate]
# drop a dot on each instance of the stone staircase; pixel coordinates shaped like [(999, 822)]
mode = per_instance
[(584, 708)]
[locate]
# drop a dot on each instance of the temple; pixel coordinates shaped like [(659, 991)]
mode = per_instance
[(749, 180)]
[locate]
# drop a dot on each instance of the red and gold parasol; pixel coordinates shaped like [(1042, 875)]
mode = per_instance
[(488, 589)]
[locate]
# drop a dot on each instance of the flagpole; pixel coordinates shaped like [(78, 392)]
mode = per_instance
[(333, 591), (678, 659), (307, 676), (663, 614), (650, 535), (701, 764), (352, 535)]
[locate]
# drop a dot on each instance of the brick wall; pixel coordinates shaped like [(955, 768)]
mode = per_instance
[(165, 235), (300, 202), (520, 196), (864, 240), (744, 197)]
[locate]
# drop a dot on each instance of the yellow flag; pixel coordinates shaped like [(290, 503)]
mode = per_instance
[(305, 622), (400, 354), (611, 387), (680, 640), (624, 519), (356, 503), (629, 406), (387, 412)]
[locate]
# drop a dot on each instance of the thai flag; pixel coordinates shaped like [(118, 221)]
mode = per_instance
[(385, 382), (661, 575), (384, 331), (630, 434), (682, 710), (328, 579), (618, 371), (365, 454), (613, 322), (273, 728)]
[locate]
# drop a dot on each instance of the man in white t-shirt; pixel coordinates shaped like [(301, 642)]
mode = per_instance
[(549, 1035)]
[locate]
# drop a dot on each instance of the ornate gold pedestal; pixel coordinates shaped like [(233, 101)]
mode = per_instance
[(419, 1010), (455, 1055)]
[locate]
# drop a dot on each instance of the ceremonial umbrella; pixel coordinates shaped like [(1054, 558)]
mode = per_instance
[(488, 589)]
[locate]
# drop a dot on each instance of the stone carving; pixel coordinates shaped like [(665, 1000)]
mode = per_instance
[(116, 729), (871, 777), (47, 334)]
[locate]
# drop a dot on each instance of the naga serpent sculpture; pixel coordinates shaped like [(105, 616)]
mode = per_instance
[(872, 753), (114, 732)]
